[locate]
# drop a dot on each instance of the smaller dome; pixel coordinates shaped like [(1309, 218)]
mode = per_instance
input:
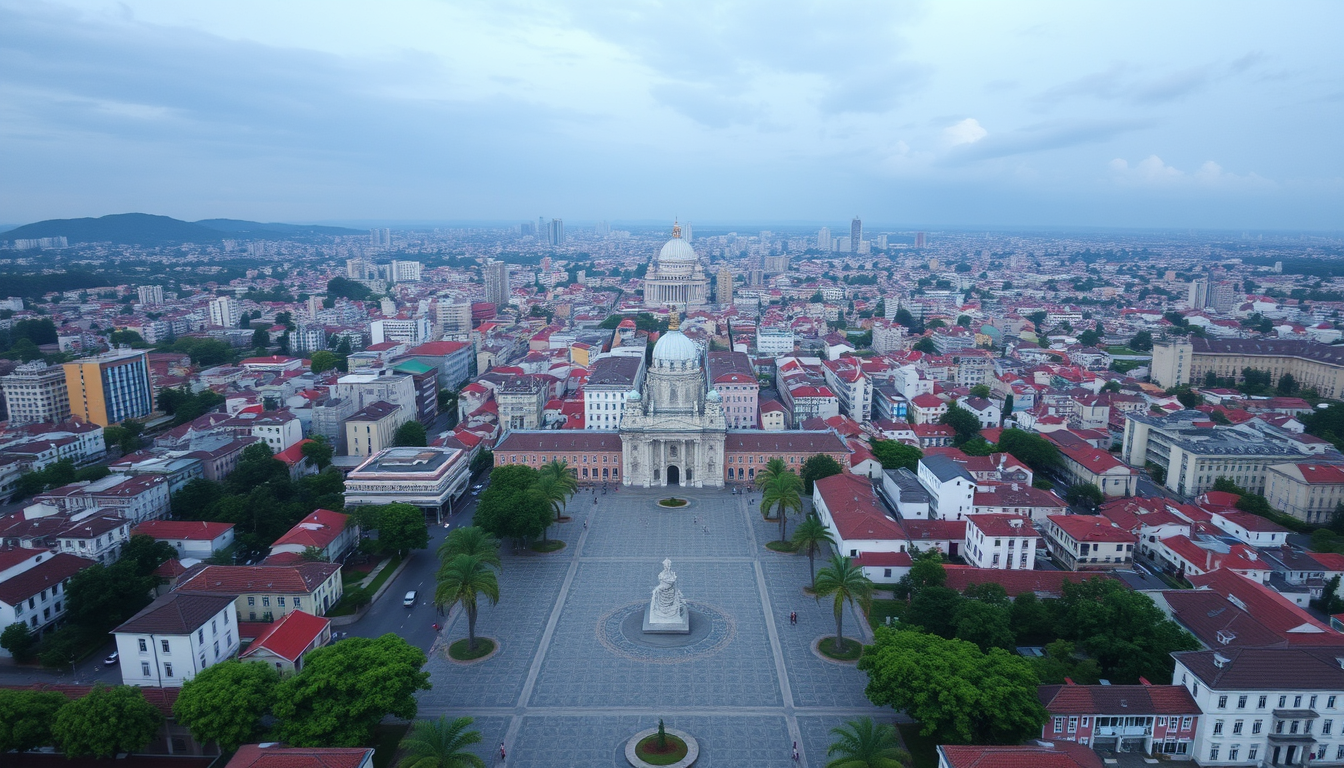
[(675, 347), (633, 396), (713, 396)]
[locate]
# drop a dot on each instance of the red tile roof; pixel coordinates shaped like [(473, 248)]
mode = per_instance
[(437, 348), (289, 637), (855, 509), (1059, 754), (884, 559), (1117, 700), (187, 530), (319, 529), (301, 579), (44, 575), (1091, 528), (1269, 608), (257, 756)]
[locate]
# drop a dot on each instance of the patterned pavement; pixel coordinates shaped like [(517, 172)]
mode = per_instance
[(558, 695)]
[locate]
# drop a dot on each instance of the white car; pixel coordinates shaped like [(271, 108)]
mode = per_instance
[(112, 659), (409, 599)]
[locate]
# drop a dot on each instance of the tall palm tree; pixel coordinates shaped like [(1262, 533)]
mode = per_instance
[(473, 541), (773, 468), (812, 535), (441, 744), (564, 477), (553, 491), (462, 581), (846, 583), (864, 744), (782, 492)]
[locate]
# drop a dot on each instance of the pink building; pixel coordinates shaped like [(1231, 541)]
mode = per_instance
[(732, 375), (1157, 719)]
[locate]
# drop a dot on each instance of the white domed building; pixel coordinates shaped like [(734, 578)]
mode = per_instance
[(676, 278), (673, 433)]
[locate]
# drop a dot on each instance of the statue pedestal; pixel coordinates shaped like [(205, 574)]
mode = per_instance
[(659, 625)]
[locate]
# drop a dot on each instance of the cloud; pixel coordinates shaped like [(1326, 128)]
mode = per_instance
[(967, 131), (1152, 171), (1041, 137)]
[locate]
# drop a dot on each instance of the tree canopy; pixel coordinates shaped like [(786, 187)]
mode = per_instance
[(1033, 450), (816, 467), (105, 722), (894, 454), (412, 434), (26, 718), (401, 528), (962, 421), (225, 703)]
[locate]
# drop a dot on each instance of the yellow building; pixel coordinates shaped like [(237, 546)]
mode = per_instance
[(1313, 365), (110, 388)]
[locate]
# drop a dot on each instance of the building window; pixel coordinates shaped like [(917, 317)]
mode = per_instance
[(1236, 728), (1073, 724), (1059, 725), (167, 669), (144, 646), (1263, 701), (1255, 726), (144, 669), (1241, 702), (1185, 723), (164, 645), (1232, 751), (1217, 727), (251, 601), (1213, 752), (1252, 752), (1222, 702)]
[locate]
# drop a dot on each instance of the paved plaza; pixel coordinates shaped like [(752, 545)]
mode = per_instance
[(566, 681)]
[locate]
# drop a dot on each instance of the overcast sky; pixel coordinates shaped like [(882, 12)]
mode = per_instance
[(1123, 114)]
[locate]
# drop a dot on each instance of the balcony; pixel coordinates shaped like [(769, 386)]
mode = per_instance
[(1123, 731)]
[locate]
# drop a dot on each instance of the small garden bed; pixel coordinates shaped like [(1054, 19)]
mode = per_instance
[(554, 545), (648, 751), (672, 503), (850, 649), (459, 651), (781, 546)]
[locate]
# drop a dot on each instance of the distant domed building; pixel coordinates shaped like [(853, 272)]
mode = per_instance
[(673, 434), (676, 278)]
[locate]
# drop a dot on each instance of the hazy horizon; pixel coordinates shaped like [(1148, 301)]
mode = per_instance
[(1035, 115)]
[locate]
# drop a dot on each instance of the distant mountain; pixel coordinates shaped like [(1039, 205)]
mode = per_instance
[(148, 229)]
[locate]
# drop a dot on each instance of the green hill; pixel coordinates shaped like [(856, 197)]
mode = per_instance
[(148, 229)]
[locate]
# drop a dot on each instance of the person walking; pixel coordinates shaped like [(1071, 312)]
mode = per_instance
[(502, 755)]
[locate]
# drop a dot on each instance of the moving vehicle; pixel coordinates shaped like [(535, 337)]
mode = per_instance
[(409, 599), (112, 659)]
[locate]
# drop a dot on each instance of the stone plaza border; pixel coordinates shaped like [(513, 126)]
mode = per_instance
[(467, 662), (692, 748), (816, 650)]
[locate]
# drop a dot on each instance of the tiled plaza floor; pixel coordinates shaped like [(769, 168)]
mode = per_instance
[(559, 695)]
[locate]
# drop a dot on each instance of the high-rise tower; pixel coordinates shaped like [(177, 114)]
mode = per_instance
[(855, 234)]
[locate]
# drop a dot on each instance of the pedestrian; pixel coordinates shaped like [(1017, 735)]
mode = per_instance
[(585, 525), (502, 756), (793, 617), (795, 751)]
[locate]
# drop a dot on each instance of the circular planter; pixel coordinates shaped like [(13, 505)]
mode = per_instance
[(692, 749), (787, 548), (448, 651), (816, 649), (685, 503)]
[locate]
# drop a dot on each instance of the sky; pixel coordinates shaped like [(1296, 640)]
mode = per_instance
[(1209, 115)]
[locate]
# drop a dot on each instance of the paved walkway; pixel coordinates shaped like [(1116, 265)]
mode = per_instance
[(554, 688)]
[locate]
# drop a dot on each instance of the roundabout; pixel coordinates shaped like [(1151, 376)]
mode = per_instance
[(621, 631)]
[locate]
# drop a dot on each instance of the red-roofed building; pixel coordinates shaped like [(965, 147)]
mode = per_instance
[(190, 538), (1088, 542), (330, 532), (299, 465), (848, 505), (268, 591), (1000, 541), (1308, 491), (1152, 719), (277, 756), (284, 642), (1057, 754), (1084, 464), (33, 590), (946, 536)]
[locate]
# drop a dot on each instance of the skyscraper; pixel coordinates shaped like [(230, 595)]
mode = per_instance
[(1198, 296), (497, 283), (380, 236), (919, 239), (687, 232), (110, 388), (557, 232), (855, 234), (150, 295), (723, 286), (224, 312), (824, 239)]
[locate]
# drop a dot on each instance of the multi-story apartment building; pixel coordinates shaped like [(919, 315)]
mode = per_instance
[(610, 382), (136, 499), (32, 587), (404, 271), (1308, 491), (1312, 364), (1000, 542), (36, 392), (96, 537), (774, 341), (497, 283), (110, 388), (522, 401), (731, 373), (1195, 453), (889, 337), (364, 389), (372, 428), (1149, 719), (150, 295), (225, 312), (1088, 542), (175, 638), (1266, 706), (267, 592), (852, 386), (403, 330), (454, 361)]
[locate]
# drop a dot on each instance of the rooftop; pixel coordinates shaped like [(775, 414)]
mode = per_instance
[(180, 612)]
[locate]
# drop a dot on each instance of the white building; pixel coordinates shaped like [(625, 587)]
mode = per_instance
[(1001, 542), (150, 295), (951, 488), (32, 587), (610, 382), (404, 330), (404, 271), (192, 539), (429, 478), (773, 341), (225, 312), (36, 392), (176, 637), (96, 537)]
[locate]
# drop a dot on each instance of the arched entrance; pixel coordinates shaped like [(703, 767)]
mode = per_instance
[(673, 475)]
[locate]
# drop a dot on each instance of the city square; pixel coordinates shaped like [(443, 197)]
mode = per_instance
[(561, 684)]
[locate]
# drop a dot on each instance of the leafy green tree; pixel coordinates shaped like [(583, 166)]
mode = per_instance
[(105, 722), (980, 390), (1085, 494), (811, 535), (482, 461), (345, 689), (441, 743), (473, 541), (816, 467), (964, 321), (986, 624), (401, 528), (962, 421), (1030, 620), (1089, 338), (863, 743), (100, 597), (225, 703), (1287, 385), (412, 434), (319, 451), (893, 454), (1142, 342), (1007, 408), (935, 609), (566, 482), (1123, 630), (1033, 450), (322, 361), (462, 581), (261, 338), (144, 553), (343, 287), (977, 446), (960, 694), (926, 346), (1060, 663), (926, 571), (20, 641), (26, 718), (844, 582), (780, 492)]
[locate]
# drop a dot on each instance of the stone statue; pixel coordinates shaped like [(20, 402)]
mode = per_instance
[(667, 612)]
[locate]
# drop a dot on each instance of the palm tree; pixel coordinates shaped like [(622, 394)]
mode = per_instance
[(812, 536), (440, 744), (564, 477), (773, 468), (553, 491), (473, 541), (461, 581), (782, 492), (864, 744), (846, 582)]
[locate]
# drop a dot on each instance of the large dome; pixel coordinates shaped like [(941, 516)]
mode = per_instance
[(675, 347), (677, 249)]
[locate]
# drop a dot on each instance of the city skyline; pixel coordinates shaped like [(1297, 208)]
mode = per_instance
[(1043, 115)]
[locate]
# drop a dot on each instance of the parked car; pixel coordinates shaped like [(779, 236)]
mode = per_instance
[(112, 659), (409, 599)]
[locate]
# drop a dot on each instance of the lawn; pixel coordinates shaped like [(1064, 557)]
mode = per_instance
[(343, 608), (1122, 350), (924, 749), (877, 616)]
